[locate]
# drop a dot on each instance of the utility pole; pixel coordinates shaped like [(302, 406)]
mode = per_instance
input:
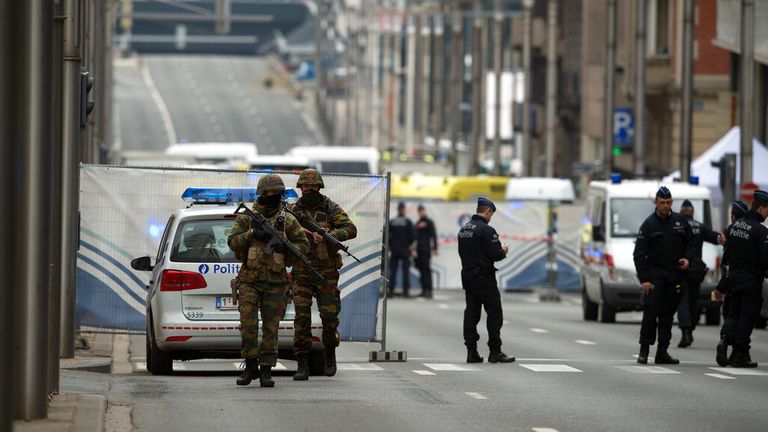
[(498, 59), (686, 115), (70, 174), (457, 79), (477, 91), (610, 71), (641, 24), (397, 79), (438, 82), (32, 25), (374, 101), (747, 87), (525, 156), (425, 78), (410, 87), (551, 85)]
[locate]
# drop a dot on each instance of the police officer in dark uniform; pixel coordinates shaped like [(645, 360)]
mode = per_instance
[(426, 243), (688, 309), (401, 236), (663, 251), (479, 248), (738, 210), (746, 261)]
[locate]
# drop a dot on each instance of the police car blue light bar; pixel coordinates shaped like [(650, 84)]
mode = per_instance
[(227, 195)]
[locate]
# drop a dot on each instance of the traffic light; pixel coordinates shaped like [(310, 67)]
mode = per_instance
[(86, 99), (616, 151)]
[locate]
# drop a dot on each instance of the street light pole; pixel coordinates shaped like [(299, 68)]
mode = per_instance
[(551, 85), (747, 87), (610, 71), (498, 59), (686, 114), (526, 164), (639, 152)]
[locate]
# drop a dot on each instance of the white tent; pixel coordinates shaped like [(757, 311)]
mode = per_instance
[(730, 143)]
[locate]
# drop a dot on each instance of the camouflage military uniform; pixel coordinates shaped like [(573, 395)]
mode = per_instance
[(263, 282), (329, 215)]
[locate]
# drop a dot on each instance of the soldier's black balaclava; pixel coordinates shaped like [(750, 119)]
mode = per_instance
[(311, 197), (271, 201)]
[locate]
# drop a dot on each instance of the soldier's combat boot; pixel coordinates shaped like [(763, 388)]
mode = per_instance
[(265, 376), (330, 362), (473, 356), (722, 353), (250, 372), (687, 339), (496, 356), (741, 359), (302, 372), (663, 357), (643, 356)]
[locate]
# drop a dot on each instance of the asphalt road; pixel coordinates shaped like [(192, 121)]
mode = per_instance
[(570, 376), (204, 99)]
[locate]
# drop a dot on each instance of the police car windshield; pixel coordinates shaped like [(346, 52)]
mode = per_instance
[(627, 214), (202, 240)]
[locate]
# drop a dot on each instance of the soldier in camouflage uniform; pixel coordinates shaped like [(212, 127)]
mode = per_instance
[(262, 280), (327, 260)]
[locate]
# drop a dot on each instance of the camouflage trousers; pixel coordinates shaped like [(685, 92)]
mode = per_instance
[(328, 302), (269, 299)]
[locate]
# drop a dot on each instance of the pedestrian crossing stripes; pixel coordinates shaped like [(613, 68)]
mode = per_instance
[(720, 376), (742, 372), (475, 395), (424, 373), (550, 368), (648, 369), (450, 367), (358, 367)]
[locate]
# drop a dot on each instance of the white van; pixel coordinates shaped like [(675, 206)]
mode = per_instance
[(340, 159), (540, 189), (285, 163), (614, 212), (215, 153)]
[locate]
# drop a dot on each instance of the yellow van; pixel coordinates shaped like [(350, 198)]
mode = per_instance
[(451, 188)]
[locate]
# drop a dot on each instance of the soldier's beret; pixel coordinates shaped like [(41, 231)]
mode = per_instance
[(739, 209), (485, 202)]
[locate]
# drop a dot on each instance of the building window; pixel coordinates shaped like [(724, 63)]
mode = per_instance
[(659, 27)]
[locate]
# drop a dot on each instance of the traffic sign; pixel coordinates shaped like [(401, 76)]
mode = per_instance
[(623, 127), (747, 191)]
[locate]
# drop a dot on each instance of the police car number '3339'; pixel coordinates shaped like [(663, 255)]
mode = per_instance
[(218, 268)]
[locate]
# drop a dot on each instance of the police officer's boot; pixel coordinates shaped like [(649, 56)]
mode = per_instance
[(302, 372), (687, 339), (250, 372), (473, 356), (741, 359), (497, 356), (722, 353), (265, 376), (643, 356), (663, 357), (330, 362)]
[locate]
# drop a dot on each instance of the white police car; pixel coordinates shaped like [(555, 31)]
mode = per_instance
[(189, 307)]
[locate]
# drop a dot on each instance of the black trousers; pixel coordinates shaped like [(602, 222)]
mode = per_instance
[(397, 258), (658, 310), (423, 259), (483, 295), (688, 308), (745, 292)]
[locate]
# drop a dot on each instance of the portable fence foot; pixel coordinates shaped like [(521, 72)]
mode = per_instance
[(388, 356)]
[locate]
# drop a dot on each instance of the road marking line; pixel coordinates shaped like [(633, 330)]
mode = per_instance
[(165, 115), (585, 342), (743, 372), (424, 372), (544, 430), (725, 377), (550, 368), (450, 367), (358, 367), (539, 330), (475, 395), (648, 369), (443, 306)]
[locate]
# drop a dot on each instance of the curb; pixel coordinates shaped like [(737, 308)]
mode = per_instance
[(90, 413)]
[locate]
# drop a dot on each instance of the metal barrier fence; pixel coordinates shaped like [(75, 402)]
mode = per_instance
[(123, 214), (521, 224)]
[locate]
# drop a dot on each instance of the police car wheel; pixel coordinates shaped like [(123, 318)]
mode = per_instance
[(589, 307), (158, 362), (317, 363)]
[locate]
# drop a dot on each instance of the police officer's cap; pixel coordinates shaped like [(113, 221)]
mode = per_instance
[(420, 207), (739, 209), (663, 193), (761, 195), (485, 202), (686, 204), (400, 205)]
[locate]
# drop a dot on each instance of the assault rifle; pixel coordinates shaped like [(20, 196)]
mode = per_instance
[(315, 228), (278, 238)]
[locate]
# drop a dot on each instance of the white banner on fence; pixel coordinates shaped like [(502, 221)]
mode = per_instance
[(123, 214), (521, 224)]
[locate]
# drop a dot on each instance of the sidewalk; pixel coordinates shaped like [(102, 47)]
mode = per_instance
[(78, 412)]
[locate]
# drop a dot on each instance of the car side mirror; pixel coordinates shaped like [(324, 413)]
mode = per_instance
[(598, 234), (142, 263)]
